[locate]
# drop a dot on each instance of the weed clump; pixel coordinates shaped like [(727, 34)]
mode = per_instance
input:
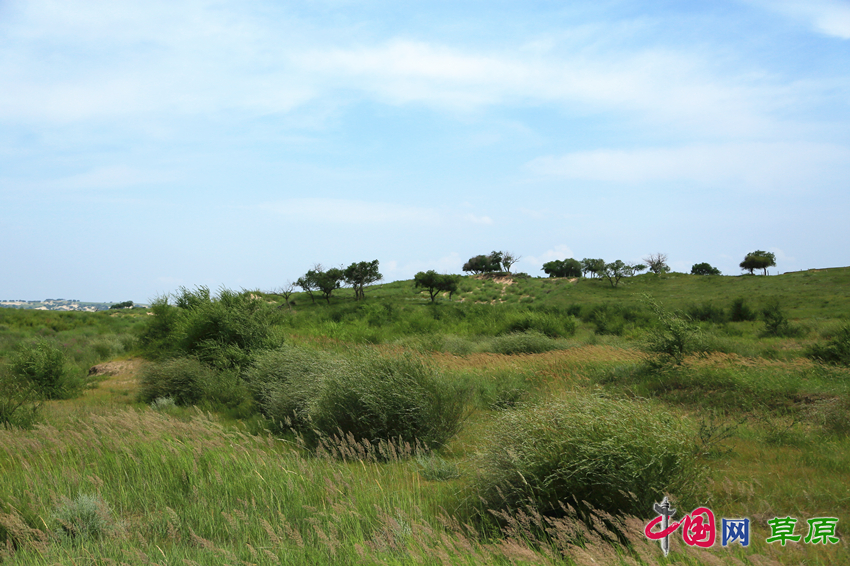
[(530, 342), (43, 364), (86, 517), (183, 380), (363, 394), (836, 351), (615, 455)]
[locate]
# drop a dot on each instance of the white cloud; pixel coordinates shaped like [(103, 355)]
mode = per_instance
[(561, 251), (486, 220), (829, 17), (761, 166), (350, 211)]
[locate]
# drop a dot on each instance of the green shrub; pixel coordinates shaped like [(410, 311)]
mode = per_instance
[(182, 379), (364, 394), (434, 468), (223, 331), (287, 380), (776, 323), (707, 312), (531, 342), (617, 455), (20, 401), (673, 338), (86, 517), (740, 311), (835, 351), (550, 324), (381, 397), (44, 364)]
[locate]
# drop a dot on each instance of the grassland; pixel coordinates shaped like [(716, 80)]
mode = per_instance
[(107, 479)]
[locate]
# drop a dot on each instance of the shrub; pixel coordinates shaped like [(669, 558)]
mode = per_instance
[(673, 338), (707, 312), (776, 323), (381, 397), (434, 468), (740, 311), (223, 331), (364, 394), (86, 517), (616, 455), (20, 401), (550, 324), (182, 379), (287, 380), (531, 342), (44, 364), (835, 351), (704, 269)]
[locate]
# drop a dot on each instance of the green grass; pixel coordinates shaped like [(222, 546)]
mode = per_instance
[(761, 422)]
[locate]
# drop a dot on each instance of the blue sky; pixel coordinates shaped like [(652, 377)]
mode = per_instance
[(149, 145)]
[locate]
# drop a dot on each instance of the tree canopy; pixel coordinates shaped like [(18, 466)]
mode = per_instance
[(616, 270), (436, 283), (594, 267), (484, 263), (704, 269), (358, 275), (758, 260), (657, 263), (563, 268)]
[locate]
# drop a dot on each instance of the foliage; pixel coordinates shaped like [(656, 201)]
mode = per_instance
[(674, 337), (20, 400), (563, 268), (707, 312), (157, 335), (484, 263), (328, 281), (361, 274), (704, 269), (595, 267), (528, 342), (434, 468), (776, 322), (615, 455), (364, 394), (835, 351), (44, 364), (657, 263), (124, 305), (509, 259), (222, 331), (758, 260), (85, 517), (181, 379), (309, 283), (436, 283), (616, 270), (740, 311)]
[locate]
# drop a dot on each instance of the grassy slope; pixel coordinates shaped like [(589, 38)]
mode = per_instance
[(211, 496)]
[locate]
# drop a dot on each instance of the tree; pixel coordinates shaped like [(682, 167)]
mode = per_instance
[(484, 263), (436, 283), (286, 291), (758, 260), (657, 263), (124, 305), (704, 269), (593, 266), (309, 283), (563, 268), (616, 270), (358, 275), (508, 259), (328, 281)]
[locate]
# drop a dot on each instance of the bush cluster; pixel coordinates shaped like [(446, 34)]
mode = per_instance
[(615, 455), (369, 395), (44, 365), (835, 351)]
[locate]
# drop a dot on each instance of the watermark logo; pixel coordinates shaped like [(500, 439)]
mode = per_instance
[(699, 529)]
